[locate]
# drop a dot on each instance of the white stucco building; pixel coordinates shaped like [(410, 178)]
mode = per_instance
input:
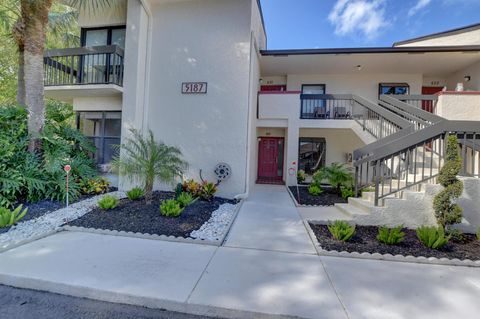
[(198, 73)]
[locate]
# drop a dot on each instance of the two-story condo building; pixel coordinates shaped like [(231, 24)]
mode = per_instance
[(199, 75)]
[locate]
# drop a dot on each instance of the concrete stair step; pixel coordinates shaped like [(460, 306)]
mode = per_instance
[(350, 210), (361, 204)]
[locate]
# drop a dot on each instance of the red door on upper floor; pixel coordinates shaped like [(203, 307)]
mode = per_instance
[(270, 160), (429, 90)]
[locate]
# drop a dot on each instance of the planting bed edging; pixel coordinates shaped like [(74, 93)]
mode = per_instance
[(386, 257), (159, 237)]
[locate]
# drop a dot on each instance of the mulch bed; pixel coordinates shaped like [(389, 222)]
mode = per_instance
[(328, 198), (137, 216), (365, 240), (38, 209)]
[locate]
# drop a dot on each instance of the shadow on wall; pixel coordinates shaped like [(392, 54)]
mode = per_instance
[(470, 202)]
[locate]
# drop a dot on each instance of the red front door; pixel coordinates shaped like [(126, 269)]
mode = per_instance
[(429, 90), (269, 152)]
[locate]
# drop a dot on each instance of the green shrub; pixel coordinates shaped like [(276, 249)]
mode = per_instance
[(391, 236), (314, 190), (170, 208), (336, 174), (447, 211), (300, 176), (10, 217), (185, 199), (34, 177), (208, 190), (143, 159), (94, 186), (108, 202), (341, 230), (347, 192), (456, 235), (432, 237), (135, 193)]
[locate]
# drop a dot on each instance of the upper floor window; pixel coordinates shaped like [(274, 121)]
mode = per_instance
[(394, 88), (313, 89), (104, 36)]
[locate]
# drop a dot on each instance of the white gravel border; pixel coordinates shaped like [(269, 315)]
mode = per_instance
[(48, 224), (387, 257)]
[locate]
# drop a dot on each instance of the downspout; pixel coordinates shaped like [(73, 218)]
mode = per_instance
[(146, 79), (248, 148)]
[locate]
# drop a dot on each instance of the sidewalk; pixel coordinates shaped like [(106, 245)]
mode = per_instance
[(267, 267)]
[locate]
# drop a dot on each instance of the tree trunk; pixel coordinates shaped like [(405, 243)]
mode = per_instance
[(21, 77), (148, 191), (35, 19)]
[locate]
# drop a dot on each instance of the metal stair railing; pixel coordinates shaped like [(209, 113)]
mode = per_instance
[(417, 158)]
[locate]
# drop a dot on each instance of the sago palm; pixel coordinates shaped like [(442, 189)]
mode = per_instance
[(336, 174), (142, 159)]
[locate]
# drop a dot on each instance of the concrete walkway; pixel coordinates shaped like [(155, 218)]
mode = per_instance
[(264, 268), (269, 220)]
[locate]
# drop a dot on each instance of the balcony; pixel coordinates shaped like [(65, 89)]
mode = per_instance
[(85, 71)]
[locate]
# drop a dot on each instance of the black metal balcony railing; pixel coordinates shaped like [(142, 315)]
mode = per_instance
[(85, 65)]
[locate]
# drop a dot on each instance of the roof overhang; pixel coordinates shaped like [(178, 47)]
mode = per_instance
[(451, 32), (430, 61)]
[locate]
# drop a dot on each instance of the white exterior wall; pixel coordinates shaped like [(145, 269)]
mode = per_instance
[(113, 103), (207, 41), (460, 106), (473, 85), (104, 16), (365, 85), (466, 38)]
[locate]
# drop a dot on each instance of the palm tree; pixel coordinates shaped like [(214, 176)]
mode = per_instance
[(143, 160), (30, 33)]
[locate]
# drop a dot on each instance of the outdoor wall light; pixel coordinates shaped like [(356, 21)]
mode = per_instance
[(359, 67), (467, 78)]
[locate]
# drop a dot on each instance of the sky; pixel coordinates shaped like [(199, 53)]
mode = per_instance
[(302, 24)]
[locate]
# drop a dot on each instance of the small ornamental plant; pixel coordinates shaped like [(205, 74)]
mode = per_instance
[(447, 210), (300, 176), (94, 186), (108, 202), (135, 193), (391, 236), (432, 237), (208, 190), (192, 187), (341, 230), (170, 208), (314, 190), (185, 199), (347, 192), (11, 217)]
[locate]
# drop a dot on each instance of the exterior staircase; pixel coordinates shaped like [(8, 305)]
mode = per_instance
[(400, 168)]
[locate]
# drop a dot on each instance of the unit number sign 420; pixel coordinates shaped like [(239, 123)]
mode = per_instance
[(194, 87)]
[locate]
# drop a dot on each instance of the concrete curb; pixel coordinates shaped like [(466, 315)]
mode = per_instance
[(388, 257), (122, 233), (122, 298)]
